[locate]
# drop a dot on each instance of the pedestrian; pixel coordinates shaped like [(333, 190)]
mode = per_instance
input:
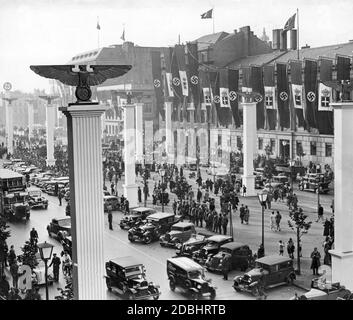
[(139, 194), (242, 213), (112, 188), (315, 261), (278, 221), (320, 213), (273, 221), (262, 284), (290, 248), (261, 251), (225, 263), (12, 255), (14, 273), (4, 287), (33, 236), (127, 209), (219, 223), (224, 224), (60, 196), (244, 191), (67, 264), (246, 215), (281, 247), (55, 262), (110, 220), (326, 228)]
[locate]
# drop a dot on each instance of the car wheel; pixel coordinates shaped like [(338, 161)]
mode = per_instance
[(156, 297), (49, 234), (255, 291), (162, 244), (130, 296), (194, 296), (172, 285), (213, 294), (131, 238), (236, 288), (147, 239), (46, 207), (107, 281)]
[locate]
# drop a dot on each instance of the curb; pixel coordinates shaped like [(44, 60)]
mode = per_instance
[(301, 286)]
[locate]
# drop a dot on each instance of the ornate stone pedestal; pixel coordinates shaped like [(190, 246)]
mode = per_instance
[(86, 200)]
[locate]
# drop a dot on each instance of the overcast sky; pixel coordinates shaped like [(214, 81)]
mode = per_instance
[(53, 31)]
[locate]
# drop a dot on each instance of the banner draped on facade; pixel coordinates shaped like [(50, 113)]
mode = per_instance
[(233, 84), (257, 85), (193, 78), (269, 96), (183, 82), (297, 92), (325, 118), (174, 70), (224, 112), (157, 81), (283, 95), (214, 80), (310, 85), (343, 67), (206, 94)]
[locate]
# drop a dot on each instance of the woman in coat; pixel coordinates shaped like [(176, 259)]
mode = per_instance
[(315, 261)]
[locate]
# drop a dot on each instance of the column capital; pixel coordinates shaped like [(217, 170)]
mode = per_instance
[(248, 104), (84, 110), (127, 106), (342, 105)]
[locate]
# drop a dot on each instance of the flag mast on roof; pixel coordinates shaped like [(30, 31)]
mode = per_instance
[(209, 15), (98, 29)]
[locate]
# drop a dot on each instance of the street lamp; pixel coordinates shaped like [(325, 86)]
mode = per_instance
[(291, 164), (284, 143), (318, 186), (45, 250), (162, 173), (262, 199), (230, 220), (104, 167)]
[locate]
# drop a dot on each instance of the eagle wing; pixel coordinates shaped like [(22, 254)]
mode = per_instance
[(66, 75)]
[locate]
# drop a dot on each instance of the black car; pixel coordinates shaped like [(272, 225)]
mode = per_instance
[(211, 247), (59, 228), (127, 276), (35, 199), (196, 242), (156, 225), (136, 214), (189, 276)]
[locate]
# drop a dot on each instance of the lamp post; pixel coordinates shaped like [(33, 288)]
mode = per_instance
[(262, 199), (45, 250), (230, 220), (291, 164), (104, 167), (284, 143), (162, 173), (318, 186)]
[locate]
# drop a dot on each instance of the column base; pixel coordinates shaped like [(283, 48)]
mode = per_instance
[(50, 162), (249, 183), (342, 266), (130, 192)]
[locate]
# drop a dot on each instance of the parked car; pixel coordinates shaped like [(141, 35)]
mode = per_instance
[(59, 228), (179, 233), (127, 276), (277, 270), (156, 225), (139, 213), (196, 242), (36, 200), (323, 290), (16, 207), (240, 256), (270, 187), (211, 247), (315, 182), (111, 201), (189, 276)]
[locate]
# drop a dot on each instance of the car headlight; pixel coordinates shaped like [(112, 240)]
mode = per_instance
[(199, 286)]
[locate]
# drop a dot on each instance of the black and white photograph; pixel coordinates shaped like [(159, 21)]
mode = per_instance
[(174, 150)]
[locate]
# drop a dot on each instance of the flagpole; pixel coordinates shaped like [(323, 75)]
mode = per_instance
[(298, 33), (98, 31), (213, 18)]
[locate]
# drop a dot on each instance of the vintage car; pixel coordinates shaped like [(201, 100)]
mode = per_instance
[(16, 207), (195, 242), (179, 233), (271, 187), (139, 213), (35, 199), (156, 225), (277, 270), (127, 276), (59, 228), (240, 256), (210, 248), (315, 182), (38, 273), (111, 201), (324, 290), (189, 276)]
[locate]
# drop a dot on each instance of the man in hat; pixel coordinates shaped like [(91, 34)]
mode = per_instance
[(55, 262)]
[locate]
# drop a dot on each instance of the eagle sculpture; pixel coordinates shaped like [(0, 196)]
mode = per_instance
[(344, 87), (81, 76), (250, 96)]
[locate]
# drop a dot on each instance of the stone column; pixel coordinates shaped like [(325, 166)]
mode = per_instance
[(30, 121), (139, 132), (9, 126), (86, 201), (181, 147), (130, 187), (342, 255), (169, 136), (50, 134), (191, 145), (249, 114)]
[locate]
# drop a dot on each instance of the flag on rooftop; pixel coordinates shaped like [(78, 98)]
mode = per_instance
[(98, 26), (123, 35), (207, 15), (290, 24)]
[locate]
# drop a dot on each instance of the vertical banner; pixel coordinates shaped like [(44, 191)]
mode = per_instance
[(310, 89), (297, 92), (325, 112), (149, 142), (233, 84), (343, 67), (157, 81), (283, 95), (224, 111), (193, 78), (206, 94), (214, 80), (258, 86), (184, 86), (269, 98), (174, 70), (246, 85)]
